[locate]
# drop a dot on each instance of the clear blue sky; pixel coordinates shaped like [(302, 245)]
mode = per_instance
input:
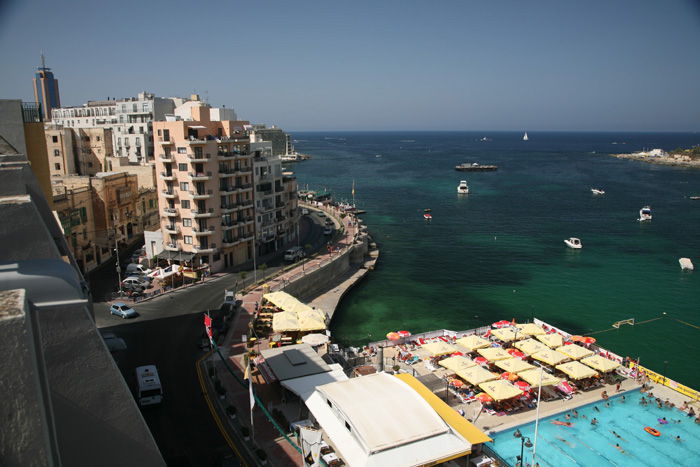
[(609, 65)]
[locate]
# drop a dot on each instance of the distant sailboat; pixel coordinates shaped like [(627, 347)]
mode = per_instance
[(525, 138)]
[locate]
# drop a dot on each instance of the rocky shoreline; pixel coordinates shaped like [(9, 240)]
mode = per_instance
[(675, 161)]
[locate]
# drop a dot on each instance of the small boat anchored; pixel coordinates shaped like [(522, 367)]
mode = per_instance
[(644, 214), (597, 191), (463, 188), (686, 264), (465, 167), (427, 215), (574, 243)]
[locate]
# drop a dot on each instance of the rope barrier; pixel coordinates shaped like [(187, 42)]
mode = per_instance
[(647, 321)]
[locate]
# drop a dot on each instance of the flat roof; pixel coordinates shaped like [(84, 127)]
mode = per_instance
[(294, 361)]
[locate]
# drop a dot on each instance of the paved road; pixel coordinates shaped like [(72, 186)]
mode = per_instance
[(165, 334)]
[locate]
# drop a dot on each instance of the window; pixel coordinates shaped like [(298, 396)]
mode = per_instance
[(89, 164), (182, 167), (145, 106), (187, 222), (123, 107), (57, 166), (188, 240), (57, 152), (181, 150), (158, 131), (185, 204), (184, 186), (54, 139), (150, 204), (135, 107)]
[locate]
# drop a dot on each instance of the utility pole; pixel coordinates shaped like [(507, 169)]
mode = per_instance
[(119, 269)]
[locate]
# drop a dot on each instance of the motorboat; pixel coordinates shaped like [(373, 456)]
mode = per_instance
[(686, 264), (574, 243), (463, 188), (644, 214), (596, 191), (427, 215)]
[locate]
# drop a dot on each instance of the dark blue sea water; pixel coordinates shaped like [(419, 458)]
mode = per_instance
[(498, 253)]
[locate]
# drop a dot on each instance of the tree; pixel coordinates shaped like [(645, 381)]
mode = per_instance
[(262, 268)]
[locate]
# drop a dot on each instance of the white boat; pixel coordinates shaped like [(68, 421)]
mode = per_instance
[(463, 188), (525, 138), (596, 191), (427, 215), (686, 264), (644, 214), (574, 243)]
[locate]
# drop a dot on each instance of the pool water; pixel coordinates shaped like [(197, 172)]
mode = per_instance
[(595, 445)]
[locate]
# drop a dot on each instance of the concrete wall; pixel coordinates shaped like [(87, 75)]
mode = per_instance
[(12, 124)]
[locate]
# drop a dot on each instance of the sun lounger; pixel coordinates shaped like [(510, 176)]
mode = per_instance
[(422, 341), (444, 339)]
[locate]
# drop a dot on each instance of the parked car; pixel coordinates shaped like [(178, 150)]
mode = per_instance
[(135, 282), (137, 269), (327, 231), (321, 214), (305, 212), (329, 221), (122, 309), (138, 254)]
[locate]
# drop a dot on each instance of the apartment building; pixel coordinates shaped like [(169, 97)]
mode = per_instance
[(73, 210), (276, 201), (130, 120), (281, 141), (204, 176), (60, 150)]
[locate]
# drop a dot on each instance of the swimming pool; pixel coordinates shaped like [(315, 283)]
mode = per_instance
[(584, 444)]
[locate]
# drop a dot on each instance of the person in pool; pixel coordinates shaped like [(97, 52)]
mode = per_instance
[(618, 436), (596, 408), (594, 421), (678, 438)]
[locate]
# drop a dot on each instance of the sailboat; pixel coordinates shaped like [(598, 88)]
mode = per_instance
[(525, 138)]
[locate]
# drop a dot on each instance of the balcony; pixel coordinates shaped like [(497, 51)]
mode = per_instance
[(205, 231), (201, 195), (206, 249), (228, 225), (202, 213), (227, 172), (171, 229), (167, 176), (228, 208), (170, 194), (192, 141), (228, 242), (203, 158), (165, 140), (197, 177), (170, 212), (225, 156), (166, 157), (171, 246)]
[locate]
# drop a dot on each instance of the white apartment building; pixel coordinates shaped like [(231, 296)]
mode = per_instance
[(130, 120)]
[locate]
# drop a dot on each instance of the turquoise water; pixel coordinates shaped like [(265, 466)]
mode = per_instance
[(595, 445), (498, 253)]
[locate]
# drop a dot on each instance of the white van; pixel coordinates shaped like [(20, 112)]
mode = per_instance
[(294, 254), (148, 388)]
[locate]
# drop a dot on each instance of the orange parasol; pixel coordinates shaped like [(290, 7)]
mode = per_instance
[(393, 336), (483, 397)]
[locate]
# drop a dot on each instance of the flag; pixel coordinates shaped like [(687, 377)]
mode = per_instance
[(250, 390), (182, 266), (207, 321), (310, 446)]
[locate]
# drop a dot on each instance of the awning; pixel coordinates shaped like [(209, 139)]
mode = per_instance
[(600, 363), (513, 365), (176, 255), (500, 390), (264, 369), (197, 127), (533, 377)]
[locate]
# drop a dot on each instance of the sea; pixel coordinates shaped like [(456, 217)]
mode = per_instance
[(499, 252)]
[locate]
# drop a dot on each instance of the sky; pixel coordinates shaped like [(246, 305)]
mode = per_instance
[(501, 65)]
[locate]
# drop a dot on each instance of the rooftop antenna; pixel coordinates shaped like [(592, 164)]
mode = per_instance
[(43, 60)]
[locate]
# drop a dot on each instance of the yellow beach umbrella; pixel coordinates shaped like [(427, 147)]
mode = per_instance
[(476, 375), (600, 363), (550, 357), (533, 377), (473, 342), (310, 321), (530, 346), (576, 352), (500, 390), (577, 370), (514, 365), (552, 340), (285, 321), (493, 354), (439, 348), (531, 329), (457, 363), (505, 334)]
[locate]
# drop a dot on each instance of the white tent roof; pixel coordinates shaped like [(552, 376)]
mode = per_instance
[(378, 420), (305, 386)]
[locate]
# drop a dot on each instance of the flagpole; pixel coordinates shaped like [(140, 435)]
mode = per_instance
[(537, 419), (252, 402)]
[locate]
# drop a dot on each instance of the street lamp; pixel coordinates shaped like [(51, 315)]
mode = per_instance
[(524, 441), (665, 365)]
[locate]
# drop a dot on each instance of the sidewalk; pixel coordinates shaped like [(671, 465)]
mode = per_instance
[(279, 451)]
